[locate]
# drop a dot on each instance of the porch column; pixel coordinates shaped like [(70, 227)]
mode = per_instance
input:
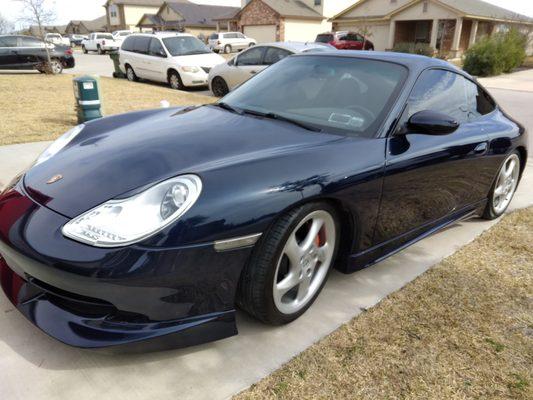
[(434, 33), (228, 27), (218, 26), (457, 36), (473, 33), (392, 34)]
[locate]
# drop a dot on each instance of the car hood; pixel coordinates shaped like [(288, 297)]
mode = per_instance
[(199, 60), (117, 155)]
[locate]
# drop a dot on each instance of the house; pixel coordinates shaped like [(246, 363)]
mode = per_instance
[(284, 20), (34, 30), (449, 26), (184, 16), (86, 27), (125, 14)]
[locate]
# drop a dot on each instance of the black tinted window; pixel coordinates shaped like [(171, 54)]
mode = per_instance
[(213, 36), (441, 91), (273, 55), (251, 57), (30, 42), (8, 41), (141, 44), (128, 43), (324, 38), (477, 100), (156, 49)]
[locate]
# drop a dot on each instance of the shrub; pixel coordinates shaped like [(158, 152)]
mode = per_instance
[(499, 53), (423, 49)]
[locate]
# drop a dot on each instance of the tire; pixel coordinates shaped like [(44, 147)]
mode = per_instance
[(84, 50), (99, 50), (251, 44), (130, 74), (504, 187), (175, 82), (227, 49), (219, 86), (258, 291), (56, 66)]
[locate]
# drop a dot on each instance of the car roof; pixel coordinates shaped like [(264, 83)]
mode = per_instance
[(162, 35), (414, 62), (296, 47)]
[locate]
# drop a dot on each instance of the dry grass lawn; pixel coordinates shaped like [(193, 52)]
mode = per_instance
[(39, 107), (463, 330)]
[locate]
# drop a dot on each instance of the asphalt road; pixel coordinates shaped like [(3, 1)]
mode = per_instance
[(36, 366)]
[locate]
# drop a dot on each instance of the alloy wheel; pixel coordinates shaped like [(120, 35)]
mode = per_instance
[(56, 67), (304, 262), (506, 184)]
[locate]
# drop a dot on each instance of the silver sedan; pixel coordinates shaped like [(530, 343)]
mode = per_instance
[(226, 76)]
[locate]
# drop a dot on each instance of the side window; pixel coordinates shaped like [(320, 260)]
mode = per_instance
[(141, 44), (241, 36), (441, 91), (29, 42), (477, 100), (8, 41), (128, 44), (343, 37), (251, 57), (156, 49), (273, 55)]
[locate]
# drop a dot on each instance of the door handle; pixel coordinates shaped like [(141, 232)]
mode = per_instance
[(481, 148)]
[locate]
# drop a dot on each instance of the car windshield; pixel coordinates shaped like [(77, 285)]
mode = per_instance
[(185, 46), (53, 35), (345, 95)]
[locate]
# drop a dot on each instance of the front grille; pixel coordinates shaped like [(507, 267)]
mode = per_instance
[(206, 69)]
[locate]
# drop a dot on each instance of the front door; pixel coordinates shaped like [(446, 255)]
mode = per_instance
[(427, 177), (247, 64)]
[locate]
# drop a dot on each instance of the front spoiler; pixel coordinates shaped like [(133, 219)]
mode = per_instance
[(48, 312)]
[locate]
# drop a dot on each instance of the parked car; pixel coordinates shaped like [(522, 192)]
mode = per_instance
[(225, 77), (179, 59), (76, 40), (100, 42), (229, 42), (28, 52), (119, 36), (156, 224), (56, 38), (345, 40)]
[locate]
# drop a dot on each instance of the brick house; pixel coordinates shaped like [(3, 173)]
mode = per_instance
[(283, 20), (449, 26)]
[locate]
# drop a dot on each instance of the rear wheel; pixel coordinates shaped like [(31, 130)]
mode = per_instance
[(56, 67), (174, 79), (227, 49), (130, 74), (290, 264), (219, 87), (84, 50), (504, 187), (99, 49)]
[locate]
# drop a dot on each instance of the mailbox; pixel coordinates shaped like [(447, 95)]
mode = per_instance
[(88, 104)]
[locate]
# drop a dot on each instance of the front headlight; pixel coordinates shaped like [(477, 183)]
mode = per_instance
[(126, 221), (59, 144), (190, 69)]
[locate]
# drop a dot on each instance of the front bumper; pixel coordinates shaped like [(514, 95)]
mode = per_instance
[(92, 298), (191, 79)]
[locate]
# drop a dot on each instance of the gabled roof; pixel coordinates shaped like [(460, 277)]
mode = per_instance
[(469, 8), (147, 3), (199, 14), (291, 8), (151, 19)]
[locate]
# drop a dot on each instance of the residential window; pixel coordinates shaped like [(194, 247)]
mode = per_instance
[(318, 2), (425, 7)]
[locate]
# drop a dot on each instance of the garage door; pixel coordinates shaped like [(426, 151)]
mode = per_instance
[(261, 33)]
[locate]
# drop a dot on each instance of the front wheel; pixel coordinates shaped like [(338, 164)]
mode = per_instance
[(290, 264), (227, 49), (504, 187), (174, 79), (84, 49), (219, 87)]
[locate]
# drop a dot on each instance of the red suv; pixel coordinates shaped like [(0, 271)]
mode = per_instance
[(345, 40)]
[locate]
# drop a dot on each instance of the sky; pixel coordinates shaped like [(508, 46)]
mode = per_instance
[(67, 10)]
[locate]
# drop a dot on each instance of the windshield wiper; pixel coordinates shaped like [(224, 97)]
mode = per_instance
[(226, 106), (280, 117)]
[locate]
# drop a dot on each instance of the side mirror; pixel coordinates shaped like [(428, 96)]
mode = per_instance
[(233, 61), (432, 123), (162, 53)]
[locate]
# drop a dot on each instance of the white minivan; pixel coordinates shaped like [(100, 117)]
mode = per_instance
[(177, 58)]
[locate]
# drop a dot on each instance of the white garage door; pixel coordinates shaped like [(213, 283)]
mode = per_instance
[(261, 33)]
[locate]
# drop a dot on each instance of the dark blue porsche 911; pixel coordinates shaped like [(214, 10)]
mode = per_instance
[(154, 225)]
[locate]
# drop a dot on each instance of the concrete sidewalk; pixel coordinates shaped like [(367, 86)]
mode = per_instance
[(35, 366)]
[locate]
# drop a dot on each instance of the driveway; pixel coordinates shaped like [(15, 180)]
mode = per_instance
[(36, 366)]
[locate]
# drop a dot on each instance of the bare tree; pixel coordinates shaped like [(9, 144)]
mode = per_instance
[(37, 13), (5, 25)]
